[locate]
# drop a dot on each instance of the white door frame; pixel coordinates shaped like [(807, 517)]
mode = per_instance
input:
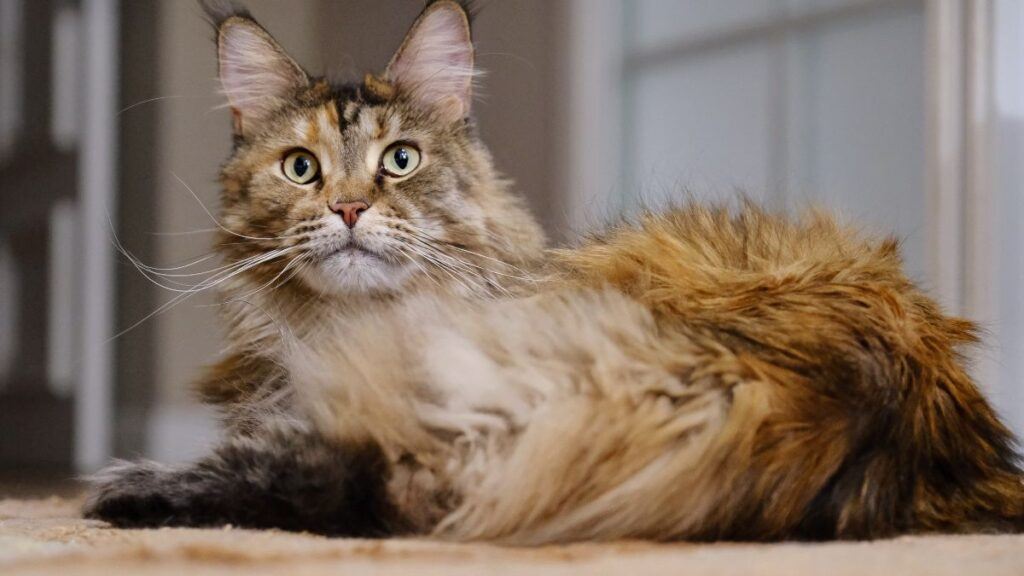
[(94, 398), (962, 227)]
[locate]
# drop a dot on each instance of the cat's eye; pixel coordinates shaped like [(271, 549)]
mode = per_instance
[(301, 167), (400, 160)]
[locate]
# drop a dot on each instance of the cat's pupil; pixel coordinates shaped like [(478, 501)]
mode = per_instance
[(402, 158), (300, 166)]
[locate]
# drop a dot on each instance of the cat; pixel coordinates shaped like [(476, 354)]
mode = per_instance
[(407, 358), (454, 226)]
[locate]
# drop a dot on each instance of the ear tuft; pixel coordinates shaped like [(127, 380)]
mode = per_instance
[(257, 76), (434, 65), (217, 11)]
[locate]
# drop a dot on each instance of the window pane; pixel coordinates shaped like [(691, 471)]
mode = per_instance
[(831, 113), (857, 120), (660, 22), (657, 23), (701, 124)]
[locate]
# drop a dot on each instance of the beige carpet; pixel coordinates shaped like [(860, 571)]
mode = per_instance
[(48, 537)]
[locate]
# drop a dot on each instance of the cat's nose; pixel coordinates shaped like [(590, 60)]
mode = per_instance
[(349, 211)]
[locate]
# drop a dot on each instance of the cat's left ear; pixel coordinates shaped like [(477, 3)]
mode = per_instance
[(434, 65), (257, 75)]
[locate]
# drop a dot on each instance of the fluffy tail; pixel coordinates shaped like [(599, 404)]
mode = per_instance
[(805, 389), (877, 391)]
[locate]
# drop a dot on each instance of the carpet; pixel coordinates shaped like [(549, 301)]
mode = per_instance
[(47, 536)]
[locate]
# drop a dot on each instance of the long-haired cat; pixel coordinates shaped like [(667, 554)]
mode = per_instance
[(406, 359)]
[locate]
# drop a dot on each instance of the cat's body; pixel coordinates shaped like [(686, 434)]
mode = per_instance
[(703, 374)]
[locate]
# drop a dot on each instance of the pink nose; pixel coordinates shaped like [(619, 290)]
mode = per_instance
[(349, 211)]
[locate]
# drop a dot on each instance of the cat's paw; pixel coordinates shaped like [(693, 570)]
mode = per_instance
[(130, 494)]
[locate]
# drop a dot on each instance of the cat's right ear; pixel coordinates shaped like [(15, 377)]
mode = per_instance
[(256, 74)]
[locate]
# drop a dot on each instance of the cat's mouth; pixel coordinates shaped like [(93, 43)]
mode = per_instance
[(349, 247), (355, 249), (347, 265)]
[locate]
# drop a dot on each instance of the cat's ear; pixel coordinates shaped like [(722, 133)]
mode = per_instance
[(434, 65), (257, 76)]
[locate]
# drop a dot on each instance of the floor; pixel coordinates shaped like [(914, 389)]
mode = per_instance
[(46, 536)]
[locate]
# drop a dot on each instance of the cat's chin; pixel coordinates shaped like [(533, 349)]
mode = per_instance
[(355, 272)]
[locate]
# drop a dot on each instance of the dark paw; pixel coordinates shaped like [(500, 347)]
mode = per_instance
[(131, 494)]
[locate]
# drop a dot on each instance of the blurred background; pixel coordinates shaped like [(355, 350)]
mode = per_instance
[(905, 115)]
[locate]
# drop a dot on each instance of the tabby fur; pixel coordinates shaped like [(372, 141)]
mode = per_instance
[(701, 373)]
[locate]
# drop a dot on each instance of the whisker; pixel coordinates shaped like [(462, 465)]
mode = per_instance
[(147, 101), (206, 284), (214, 218), (195, 262), (185, 233), (457, 275), (287, 267), (468, 268), (525, 276), (403, 251)]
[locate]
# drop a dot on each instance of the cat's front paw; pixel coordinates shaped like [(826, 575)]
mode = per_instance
[(130, 494)]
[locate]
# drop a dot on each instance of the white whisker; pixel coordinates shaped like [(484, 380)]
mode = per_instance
[(217, 222)]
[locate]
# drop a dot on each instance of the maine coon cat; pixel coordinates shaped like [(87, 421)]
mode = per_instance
[(405, 359)]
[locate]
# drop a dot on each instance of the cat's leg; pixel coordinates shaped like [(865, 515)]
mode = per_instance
[(283, 477)]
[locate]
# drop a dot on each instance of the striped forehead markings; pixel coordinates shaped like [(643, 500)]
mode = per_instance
[(332, 113), (377, 125), (352, 109), (328, 121)]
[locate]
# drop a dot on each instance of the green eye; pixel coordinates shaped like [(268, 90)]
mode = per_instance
[(301, 167), (400, 160)]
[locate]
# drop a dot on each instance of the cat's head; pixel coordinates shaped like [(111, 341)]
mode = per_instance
[(367, 187)]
